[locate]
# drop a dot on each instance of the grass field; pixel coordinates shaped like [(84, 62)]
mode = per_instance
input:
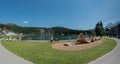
[(42, 53)]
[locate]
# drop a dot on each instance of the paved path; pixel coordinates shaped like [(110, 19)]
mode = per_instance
[(7, 57), (112, 57)]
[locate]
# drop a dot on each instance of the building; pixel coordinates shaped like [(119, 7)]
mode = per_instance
[(8, 33)]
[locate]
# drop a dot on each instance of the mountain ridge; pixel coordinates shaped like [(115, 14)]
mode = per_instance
[(111, 25)]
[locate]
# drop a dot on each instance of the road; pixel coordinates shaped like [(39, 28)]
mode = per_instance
[(7, 57), (112, 57)]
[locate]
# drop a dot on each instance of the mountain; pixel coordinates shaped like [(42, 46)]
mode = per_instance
[(117, 23), (11, 24), (110, 25), (37, 30)]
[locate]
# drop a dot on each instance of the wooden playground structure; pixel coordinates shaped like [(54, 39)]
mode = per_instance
[(80, 40)]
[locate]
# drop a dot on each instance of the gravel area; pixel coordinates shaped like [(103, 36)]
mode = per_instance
[(77, 47)]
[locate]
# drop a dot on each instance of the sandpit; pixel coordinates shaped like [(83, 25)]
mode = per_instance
[(78, 47)]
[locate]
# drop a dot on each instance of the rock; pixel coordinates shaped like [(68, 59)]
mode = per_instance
[(68, 44)]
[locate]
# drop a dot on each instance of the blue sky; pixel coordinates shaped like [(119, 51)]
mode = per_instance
[(74, 14)]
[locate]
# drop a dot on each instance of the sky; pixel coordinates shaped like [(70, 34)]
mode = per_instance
[(74, 14)]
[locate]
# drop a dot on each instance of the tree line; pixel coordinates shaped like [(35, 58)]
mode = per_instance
[(58, 31)]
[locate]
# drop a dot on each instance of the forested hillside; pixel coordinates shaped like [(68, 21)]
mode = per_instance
[(37, 30)]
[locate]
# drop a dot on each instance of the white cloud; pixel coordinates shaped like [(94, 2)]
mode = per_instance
[(26, 22)]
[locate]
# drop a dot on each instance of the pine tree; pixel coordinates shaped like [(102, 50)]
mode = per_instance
[(99, 30)]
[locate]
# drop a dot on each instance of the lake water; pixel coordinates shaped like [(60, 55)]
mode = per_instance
[(48, 37)]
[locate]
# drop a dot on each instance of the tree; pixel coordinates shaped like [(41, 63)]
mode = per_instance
[(99, 30), (103, 33), (93, 33)]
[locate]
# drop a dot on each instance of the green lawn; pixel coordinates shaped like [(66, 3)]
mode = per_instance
[(42, 53)]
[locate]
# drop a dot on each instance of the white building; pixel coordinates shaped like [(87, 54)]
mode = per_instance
[(8, 33), (11, 34)]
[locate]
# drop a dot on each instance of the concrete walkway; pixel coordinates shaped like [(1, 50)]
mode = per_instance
[(7, 57), (112, 57)]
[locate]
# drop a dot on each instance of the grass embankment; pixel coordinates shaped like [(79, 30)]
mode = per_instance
[(42, 53)]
